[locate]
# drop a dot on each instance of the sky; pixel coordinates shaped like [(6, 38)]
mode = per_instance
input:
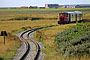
[(40, 3)]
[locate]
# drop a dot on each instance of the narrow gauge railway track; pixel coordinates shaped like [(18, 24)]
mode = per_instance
[(35, 56), (29, 53)]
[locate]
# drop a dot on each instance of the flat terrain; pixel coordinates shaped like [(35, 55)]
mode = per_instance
[(59, 9), (13, 22)]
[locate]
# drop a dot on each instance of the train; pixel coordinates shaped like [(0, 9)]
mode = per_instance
[(68, 17)]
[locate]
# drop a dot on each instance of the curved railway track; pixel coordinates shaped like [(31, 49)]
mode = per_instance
[(32, 48), (26, 40)]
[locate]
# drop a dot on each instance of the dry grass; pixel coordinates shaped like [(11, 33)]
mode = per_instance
[(7, 51), (5, 16), (48, 40), (13, 25), (48, 33), (86, 15)]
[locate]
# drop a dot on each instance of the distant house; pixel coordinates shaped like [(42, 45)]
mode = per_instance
[(66, 6), (51, 5), (34, 7), (24, 7), (41, 7), (83, 6), (61, 6), (69, 6)]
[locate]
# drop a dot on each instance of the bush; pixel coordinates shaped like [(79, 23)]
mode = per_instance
[(20, 18), (75, 40), (11, 37)]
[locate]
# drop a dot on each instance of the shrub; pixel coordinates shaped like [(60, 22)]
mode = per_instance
[(75, 40), (20, 18)]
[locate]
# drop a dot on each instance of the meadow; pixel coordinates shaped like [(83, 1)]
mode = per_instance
[(14, 22), (8, 50), (54, 9)]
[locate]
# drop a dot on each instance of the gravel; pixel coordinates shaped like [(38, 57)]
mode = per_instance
[(31, 54)]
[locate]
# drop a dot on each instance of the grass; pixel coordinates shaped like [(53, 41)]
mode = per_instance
[(74, 40), (59, 9), (15, 26), (9, 16), (7, 51), (47, 37)]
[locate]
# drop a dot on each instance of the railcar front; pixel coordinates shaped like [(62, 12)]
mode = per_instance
[(63, 18)]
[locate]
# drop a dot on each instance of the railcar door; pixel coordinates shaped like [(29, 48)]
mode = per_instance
[(61, 17), (66, 17)]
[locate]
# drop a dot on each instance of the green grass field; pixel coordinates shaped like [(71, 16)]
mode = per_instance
[(59, 9)]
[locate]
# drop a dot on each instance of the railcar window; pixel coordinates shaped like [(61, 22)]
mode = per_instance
[(72, 15), (80, 15), (61, 14), (66, 15)]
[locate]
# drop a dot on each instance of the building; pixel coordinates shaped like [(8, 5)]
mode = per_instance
[(34, 7), (61, 6), (66, 6), (69, 6), (83, 6), (51, 5), (24, 7), (41, 7)]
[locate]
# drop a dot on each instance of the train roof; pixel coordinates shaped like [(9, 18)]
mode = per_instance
[(75, 12)]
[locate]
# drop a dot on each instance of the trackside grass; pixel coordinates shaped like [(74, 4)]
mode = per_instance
[(47, 36), (8, 50)]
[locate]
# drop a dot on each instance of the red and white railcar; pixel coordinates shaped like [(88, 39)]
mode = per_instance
[(67, 17)]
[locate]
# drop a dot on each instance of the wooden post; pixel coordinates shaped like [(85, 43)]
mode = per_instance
[(4, 40)]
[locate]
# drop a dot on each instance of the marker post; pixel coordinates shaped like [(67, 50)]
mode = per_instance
[(3, 33)]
